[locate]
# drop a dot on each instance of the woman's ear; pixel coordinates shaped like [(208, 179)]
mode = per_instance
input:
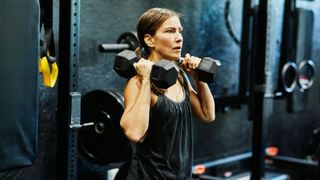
[(148, 40)]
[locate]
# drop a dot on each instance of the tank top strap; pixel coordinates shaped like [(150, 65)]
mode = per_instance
[(184, 80)]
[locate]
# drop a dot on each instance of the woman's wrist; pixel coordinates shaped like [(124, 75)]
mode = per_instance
[(145, 80)]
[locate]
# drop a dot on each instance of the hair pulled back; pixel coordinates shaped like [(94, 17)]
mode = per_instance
[(148, 23)]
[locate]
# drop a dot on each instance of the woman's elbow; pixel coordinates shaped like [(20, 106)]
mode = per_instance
[(212, 118), (209, 118), (133, 135), (212, 115)]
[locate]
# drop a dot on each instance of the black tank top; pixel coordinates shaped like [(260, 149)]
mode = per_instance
[(167, 151)]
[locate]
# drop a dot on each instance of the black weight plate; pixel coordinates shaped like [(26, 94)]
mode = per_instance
[(104, 142), (129, 38)]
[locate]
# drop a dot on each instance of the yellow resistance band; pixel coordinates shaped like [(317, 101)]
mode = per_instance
[(49, 76)]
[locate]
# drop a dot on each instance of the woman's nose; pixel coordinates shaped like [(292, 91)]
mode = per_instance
[(179, 37)]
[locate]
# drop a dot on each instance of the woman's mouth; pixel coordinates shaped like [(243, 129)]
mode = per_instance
[(178, 48)]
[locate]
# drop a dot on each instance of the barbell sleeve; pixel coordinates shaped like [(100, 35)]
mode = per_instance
[(113, 47)]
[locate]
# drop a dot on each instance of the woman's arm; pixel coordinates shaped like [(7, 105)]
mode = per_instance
[(137, 97), (202, 102)]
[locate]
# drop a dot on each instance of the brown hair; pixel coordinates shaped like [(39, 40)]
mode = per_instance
[(148, 23)]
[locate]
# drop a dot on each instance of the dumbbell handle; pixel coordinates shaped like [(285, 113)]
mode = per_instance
[(113, 47), (181, 59)]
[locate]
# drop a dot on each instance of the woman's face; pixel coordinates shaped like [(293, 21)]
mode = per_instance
[(167, 41)]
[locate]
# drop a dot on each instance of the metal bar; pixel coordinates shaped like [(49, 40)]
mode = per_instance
[(113, 47), (230, 159), (246, 48), (68, 61), (287, 42), (259, 80)]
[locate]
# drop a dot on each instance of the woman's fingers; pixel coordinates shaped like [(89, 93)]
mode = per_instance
[(191, 62), (143, 67)]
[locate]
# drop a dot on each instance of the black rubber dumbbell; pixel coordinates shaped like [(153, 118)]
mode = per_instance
[(164, 73), (207, 69)]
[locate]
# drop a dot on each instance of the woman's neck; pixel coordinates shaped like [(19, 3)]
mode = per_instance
[(155, 58)]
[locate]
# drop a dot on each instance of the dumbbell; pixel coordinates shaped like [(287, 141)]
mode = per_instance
[(207, 69), (123, 65), (164, 73)]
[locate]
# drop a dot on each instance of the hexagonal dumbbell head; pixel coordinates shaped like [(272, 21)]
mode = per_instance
[(123, 63), (207, 69), (164, 74)]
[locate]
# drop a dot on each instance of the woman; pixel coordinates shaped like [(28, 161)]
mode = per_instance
[(159, 121)]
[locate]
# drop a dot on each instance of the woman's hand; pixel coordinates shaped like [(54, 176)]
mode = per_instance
[(190, 63), (143, 68)]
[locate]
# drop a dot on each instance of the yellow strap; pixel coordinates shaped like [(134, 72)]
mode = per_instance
[(49, 77)]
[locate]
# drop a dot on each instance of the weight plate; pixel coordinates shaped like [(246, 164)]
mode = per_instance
[(129, 38), (104, 142)]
